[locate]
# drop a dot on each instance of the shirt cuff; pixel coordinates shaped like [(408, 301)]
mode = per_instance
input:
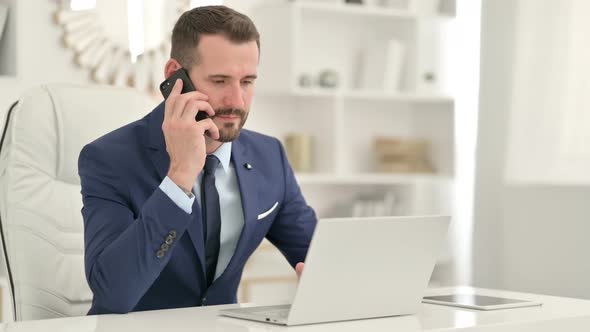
[(178, 196)]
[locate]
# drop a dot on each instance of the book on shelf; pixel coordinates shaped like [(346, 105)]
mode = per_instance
[(402, 155), (380, 65), (394, 64)]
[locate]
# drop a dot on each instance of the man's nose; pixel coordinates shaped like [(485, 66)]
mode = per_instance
[(234, 97)]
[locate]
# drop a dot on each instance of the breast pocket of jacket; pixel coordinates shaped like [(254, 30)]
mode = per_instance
[(266, 214)]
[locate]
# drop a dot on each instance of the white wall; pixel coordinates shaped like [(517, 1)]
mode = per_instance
[(527, 237), (40, 55)]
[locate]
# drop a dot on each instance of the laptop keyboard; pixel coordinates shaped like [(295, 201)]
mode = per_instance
[(282, 314), (276, 311)]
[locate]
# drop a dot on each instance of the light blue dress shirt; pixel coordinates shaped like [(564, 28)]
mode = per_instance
[(230, 203)]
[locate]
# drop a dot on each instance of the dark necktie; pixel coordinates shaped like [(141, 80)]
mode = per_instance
[(211, 217)]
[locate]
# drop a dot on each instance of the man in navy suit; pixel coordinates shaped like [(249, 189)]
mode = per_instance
[(173, 207)]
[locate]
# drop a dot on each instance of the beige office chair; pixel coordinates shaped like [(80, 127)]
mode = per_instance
[(40, 201)]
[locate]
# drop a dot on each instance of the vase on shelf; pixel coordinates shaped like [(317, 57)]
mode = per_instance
[(299, 152)]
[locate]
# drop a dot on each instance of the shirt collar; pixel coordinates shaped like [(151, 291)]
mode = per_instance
[(223, 153)]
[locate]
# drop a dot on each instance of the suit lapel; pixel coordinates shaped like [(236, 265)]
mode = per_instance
[(155, 141), (161, 160), (246, 180)]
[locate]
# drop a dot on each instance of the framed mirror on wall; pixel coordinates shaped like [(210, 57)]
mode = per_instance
[(121, 42)]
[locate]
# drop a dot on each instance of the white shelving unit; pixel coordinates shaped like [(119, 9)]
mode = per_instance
[(303, 37), (445, 9), (352, 9), (360, 95), (308, 37)]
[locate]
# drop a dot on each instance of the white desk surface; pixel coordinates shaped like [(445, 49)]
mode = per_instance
[(556, 314)]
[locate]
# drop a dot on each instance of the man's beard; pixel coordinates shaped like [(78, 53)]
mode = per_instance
[(229, 131)]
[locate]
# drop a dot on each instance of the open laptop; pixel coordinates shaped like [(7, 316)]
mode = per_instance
[(360, 268)]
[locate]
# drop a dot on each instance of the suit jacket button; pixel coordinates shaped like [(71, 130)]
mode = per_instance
[(164, 247), (169, 240), (173, 234), (160, 254), (203, 300)]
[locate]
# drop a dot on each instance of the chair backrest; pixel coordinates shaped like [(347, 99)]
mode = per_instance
[(40, 199)]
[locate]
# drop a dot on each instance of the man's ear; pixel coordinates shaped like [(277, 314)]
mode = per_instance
[(171, 66)]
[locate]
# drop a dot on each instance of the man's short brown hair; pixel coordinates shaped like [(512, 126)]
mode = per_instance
[(212, 20)]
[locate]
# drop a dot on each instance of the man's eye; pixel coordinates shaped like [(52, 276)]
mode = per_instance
[(219, 81), (247, 82)]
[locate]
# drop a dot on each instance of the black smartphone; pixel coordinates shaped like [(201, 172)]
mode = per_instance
[(187, 86)]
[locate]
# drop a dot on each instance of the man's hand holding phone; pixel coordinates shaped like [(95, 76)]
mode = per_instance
[(185, 137)]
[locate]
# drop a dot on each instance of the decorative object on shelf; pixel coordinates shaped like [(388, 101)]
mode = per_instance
[(397, 155), (299, 151), (429, 83), (124, 43), (305, 80), (429, 66), (381, 65), (328, 78), (3, 16), (394, 64)]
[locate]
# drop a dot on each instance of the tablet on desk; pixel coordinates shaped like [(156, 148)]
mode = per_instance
[(479, 302)]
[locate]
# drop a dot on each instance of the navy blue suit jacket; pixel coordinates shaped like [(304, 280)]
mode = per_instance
[(127, 218)]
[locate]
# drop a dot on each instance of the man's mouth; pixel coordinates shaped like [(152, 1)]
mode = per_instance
[(228, 114)]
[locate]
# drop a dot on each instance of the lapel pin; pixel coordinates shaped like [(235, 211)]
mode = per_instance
[(248, 166)]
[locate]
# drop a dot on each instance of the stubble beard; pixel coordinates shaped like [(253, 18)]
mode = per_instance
[(230, 131)]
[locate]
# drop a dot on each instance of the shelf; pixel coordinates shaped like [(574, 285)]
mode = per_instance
[(368, 11), (370, 179), (406, 97), (367, 95)]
